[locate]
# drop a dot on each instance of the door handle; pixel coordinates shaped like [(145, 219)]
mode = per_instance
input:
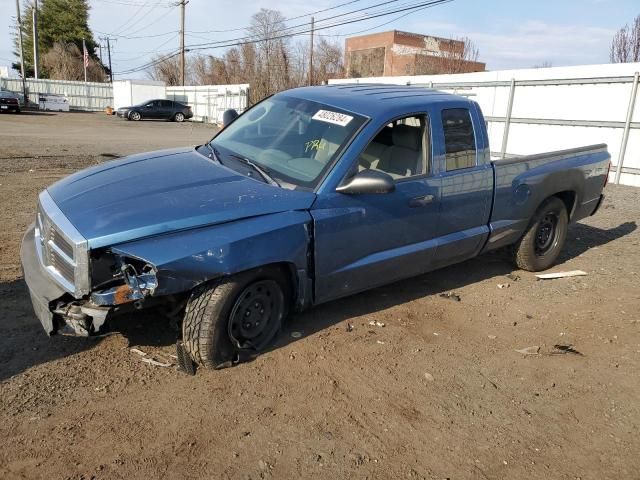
[(421, 201)]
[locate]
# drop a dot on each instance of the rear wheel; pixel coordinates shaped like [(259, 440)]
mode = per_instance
[(179, 117), (239, 314), (135, 116), (542, 243)]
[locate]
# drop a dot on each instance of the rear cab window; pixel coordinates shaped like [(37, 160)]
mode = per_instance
[(459, 139)]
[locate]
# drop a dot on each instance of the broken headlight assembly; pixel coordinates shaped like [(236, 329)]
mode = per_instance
[(118, 280)]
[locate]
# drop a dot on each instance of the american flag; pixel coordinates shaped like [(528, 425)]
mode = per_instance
[(85, 54)]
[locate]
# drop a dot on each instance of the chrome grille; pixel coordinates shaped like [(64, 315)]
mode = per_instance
[(61, 242), (58, 262), (61, 249)]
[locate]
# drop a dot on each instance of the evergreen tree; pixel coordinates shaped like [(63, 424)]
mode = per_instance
[(59, 21)]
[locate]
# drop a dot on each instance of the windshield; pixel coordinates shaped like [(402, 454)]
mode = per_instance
[(294, 140)]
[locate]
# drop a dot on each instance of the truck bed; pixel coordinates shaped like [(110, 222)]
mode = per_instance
[(522, 183)]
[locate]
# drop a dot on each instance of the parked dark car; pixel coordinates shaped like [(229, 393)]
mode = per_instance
[(158, 110), (9, 102)]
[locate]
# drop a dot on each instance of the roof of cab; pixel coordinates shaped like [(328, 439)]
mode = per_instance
[(374, 99)]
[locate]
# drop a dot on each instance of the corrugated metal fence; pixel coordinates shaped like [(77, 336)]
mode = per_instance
[(209, 102), (88, 96), (537, 110)]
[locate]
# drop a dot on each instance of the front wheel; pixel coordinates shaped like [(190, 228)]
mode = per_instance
[(179, 117), (241, 313), (135, 116), (542, 243)]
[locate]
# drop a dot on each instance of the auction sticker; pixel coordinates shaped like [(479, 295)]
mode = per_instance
[(332, 117)]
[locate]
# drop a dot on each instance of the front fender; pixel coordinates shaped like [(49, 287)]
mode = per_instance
[(187, 258)]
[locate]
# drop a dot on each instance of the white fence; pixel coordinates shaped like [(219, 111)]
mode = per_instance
[(88, 96), (209, 102), (536, 110)]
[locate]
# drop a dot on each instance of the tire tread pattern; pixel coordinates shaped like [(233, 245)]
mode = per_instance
[(524, 250)]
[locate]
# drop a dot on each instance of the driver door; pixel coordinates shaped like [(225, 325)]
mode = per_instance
[(367, 240), (150, 110)]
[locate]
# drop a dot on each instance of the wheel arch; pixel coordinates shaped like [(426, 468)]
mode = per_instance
[(187, 259), (287, 270), (569, 198)]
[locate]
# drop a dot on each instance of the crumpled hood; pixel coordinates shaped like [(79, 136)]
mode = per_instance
[(158, 192)]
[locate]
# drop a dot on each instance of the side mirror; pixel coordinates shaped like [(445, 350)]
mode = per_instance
[(368, 181), (228, 116)]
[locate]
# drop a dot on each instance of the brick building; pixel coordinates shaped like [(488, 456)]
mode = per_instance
[(396, 53)]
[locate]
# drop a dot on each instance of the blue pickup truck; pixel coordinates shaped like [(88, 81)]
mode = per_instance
[(310, 195)]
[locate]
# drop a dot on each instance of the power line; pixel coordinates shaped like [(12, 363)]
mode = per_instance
[(144, 54), (249, 39), (122, 26), (126, 3), (252, 39), (379, 25), (193, 33), (135, 37), (387, 2), (284, 20), (129, 29)]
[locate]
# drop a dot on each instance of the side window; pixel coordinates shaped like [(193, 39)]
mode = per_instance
[(399, 149), (459, 140)]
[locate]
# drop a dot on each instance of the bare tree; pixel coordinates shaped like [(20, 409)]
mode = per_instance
[(272, 53), (625, 46), (268, 61), (64, 61), (166, 70), (328, 61), (544, 64), (456, 55)]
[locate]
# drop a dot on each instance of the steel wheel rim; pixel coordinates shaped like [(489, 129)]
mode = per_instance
[(179, 117), (546, 234), (135, 116), (256, 315)]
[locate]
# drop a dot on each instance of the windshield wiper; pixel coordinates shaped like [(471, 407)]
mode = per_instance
[(263, 173), (213, 154)]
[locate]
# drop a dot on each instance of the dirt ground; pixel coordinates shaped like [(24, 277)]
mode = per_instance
[(438, 392)]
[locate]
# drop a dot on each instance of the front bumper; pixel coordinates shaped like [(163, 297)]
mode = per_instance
[(42, 289), (122, 113), (10, 108), (51, 302)]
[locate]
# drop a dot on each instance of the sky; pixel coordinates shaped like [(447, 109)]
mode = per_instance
[(509, 34)]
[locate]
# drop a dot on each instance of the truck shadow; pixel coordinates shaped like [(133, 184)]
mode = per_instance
[(580, 239), (23, 343)]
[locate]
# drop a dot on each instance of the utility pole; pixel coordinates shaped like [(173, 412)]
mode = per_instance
[(109, 53), (108, 40), (311, 55), (24, 84), (35, 38), (182, 4)]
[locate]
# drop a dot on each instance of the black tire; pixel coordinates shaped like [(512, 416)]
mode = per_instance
[(542, 243), (135, 116), (212, 331), (179, 117)]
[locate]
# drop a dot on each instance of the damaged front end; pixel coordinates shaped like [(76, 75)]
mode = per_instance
[(75, 291), (119, 284), (129, 284)]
